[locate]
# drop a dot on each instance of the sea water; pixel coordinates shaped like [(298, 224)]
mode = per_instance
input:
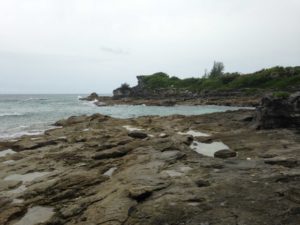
[(33, 114)]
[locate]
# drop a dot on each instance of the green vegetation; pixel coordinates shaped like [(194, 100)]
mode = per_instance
[(281, 94), (276, 78)]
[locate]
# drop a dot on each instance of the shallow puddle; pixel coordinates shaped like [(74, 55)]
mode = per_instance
[(7, 152), (194, 133), (9, 162), (208, 149), (26, 177), (110, 172), (130, 128), (36, 215)]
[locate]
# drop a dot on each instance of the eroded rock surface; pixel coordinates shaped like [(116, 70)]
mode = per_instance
[(279, 112), (94, 173)]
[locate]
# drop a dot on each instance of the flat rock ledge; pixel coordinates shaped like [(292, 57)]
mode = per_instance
[(91, 170)]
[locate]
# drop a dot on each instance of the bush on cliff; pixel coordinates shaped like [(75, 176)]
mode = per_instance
[(276, 78)]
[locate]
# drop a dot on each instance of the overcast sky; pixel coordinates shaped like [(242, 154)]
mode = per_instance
[(80, 46)]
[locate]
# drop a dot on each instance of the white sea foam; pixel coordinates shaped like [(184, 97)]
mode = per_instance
[(21, 133), (11, 114), (35, 99)]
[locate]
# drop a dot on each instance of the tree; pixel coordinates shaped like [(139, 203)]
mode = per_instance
[(125, 86), (217, 70)]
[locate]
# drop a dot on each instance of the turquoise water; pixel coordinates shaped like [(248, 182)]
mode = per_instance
[(32, 114)]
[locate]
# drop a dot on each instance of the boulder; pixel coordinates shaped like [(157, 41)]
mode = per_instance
[(140, 193), (278, 112), (111, 153), (137, 134), (225, 153)]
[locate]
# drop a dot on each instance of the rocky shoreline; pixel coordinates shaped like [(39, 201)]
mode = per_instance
[(210, 169), (239, 101)]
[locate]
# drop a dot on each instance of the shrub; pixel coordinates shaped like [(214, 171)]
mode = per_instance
[(281, 94)]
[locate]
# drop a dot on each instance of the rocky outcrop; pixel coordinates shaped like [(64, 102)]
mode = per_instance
[(278, 112), (92, 97), (122, 92)]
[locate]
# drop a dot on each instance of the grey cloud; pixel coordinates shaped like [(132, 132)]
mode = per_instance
[(117, 51), (46, 43)]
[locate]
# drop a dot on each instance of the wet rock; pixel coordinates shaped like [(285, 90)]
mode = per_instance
[(158, 180), (282, 161), (225, 153), (137, 134), (71, 121), (28, 144), (202, 183), (112, 153)]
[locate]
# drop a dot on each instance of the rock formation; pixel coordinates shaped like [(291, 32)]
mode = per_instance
[(278, 112), (92, 97), (95, 170)]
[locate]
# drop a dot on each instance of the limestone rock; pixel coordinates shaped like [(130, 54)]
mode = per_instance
[(225, 153)]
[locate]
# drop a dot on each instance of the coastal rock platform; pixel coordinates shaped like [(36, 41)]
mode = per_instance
[(93, 170)]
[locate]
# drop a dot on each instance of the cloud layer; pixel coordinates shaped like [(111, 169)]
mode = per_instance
[(79, 46)]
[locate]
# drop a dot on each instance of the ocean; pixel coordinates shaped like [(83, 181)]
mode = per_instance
[(33, 114)]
